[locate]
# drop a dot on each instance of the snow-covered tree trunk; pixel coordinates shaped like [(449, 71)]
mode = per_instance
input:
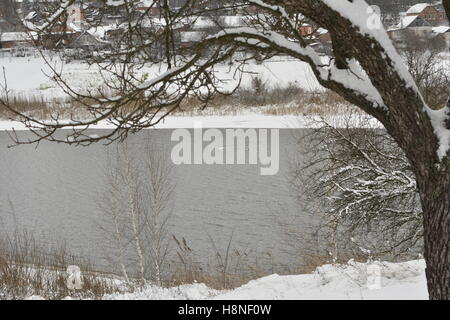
[(446, 4), (422, 133), (435, 191), (132, 208)]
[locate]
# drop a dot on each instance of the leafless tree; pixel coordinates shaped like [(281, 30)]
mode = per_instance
[(137, 207), (431, 73), (355, 177), (159, 193), (364, 68)]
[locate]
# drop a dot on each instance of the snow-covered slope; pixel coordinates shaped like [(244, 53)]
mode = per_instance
[(351, 281)]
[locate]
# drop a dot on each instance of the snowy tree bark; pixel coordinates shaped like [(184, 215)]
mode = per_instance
[(407, 121), (446, 4), (421, 132), (435, 191)]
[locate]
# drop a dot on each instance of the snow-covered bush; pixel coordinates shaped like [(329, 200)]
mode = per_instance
[(361, 185)]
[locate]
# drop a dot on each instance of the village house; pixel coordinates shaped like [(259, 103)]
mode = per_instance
[(88, 42), (307, 30), (317, 37), (148, 6), (188, 38), (419, 26), (444, 33), (413, 31), (422, 21), (15, 39), (427, 12)]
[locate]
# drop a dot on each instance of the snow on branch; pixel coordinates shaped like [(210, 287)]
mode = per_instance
[(353, 79), (356, 12), (55, 17), (365, 180)]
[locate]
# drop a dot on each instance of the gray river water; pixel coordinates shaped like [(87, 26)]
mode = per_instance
[(53, 191)]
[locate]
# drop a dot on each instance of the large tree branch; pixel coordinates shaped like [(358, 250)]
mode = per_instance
[(365, 69), (416, 128), (446, 4)]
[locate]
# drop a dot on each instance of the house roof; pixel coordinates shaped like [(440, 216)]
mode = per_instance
[(147, 3), (224, 21), (30, 15), (409, 21), (192, 36), (15, 36), (89, 36), (76, 27), (417, 8), (322, 31), (441, 29), (100, 31)]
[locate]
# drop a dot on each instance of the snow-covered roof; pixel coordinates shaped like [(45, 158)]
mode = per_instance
[(224, 21), (146, 3), (322, 31), (15, 36), (233, 21), (30, 15), (100, 31), (441, 29), (407, 21), (75, 26), (197, 23), (417, 8), (89, 38), (29, 25), (115, 3), (192, 36)]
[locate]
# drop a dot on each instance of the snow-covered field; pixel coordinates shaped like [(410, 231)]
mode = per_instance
[(239, 121), (29, 77), (353, 281)]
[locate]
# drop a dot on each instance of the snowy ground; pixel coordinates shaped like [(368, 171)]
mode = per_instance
[(29, 77), (250, 120), (354, 281), (397, 281)]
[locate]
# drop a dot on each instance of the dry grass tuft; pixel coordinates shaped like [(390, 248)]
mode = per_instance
[(259, 98), (26, 269)]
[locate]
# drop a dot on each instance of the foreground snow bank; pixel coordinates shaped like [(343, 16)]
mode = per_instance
[(351, 281)]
